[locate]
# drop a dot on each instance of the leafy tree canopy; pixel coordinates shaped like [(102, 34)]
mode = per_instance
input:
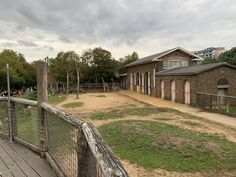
[(22, 74), (126, 60), (229, 56)]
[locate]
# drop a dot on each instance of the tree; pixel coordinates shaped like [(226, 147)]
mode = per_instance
[(104, 64), (229, 56), (99, 63), (209, 61), (126, 60), (62, 65), (76, 59), (22, 73)]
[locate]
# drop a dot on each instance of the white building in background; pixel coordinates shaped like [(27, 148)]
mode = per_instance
[(211, 52)]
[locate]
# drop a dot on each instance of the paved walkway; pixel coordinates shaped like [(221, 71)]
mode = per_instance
[(17, 161), (227, 120)]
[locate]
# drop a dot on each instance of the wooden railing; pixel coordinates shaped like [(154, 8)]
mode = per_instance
[(73, 147), (93, 87), (225, 104)]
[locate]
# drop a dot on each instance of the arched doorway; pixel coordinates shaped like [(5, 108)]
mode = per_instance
[(146, 83), (162, 89), (187, 97), (222, 89), (172, 88)]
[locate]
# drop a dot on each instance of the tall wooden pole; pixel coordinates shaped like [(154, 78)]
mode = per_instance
[(9, 106), (42, 94)]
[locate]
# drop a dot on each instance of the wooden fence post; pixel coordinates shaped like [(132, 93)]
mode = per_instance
[(42, 94), (228, 104), (82, 154), (211, 102)]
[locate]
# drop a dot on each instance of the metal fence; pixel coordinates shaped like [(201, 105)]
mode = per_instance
[(62, 142), (224, 104), (73, 148)]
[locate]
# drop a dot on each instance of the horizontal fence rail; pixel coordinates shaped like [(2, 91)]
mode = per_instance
[(73, 147), (224, 104), (93, 87)]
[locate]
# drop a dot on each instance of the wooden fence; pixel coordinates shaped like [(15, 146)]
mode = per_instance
[(92, 87), (217, 103), (73, 148)]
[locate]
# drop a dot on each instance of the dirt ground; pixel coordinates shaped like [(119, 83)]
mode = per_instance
[(97, 102)]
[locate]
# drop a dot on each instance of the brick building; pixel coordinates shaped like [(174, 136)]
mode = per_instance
[(177, 75)]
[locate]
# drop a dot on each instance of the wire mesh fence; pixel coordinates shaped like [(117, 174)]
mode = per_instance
[(217, 103), (62, 144), (75, 148), (3, 117), (26, 123)]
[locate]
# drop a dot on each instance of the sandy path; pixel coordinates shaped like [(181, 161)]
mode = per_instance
[(229, 121), (94, 102)]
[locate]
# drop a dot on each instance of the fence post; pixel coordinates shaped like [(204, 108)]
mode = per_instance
[(228, 104), (82, 154), (10, 136), (42, 94), (211, 102), (14, 119)]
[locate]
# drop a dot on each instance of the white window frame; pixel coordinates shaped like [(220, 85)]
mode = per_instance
[(169, 64)]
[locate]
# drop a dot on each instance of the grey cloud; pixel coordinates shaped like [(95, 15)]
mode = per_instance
[(20, 28), (7, 44), (122, 21), (26, 43)]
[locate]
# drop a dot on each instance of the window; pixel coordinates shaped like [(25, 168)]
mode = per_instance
[(168, 64)]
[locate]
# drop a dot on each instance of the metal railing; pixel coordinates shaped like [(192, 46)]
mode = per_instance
[(224, 104)]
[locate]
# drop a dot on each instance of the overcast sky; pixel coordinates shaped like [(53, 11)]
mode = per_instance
[(39, 28)]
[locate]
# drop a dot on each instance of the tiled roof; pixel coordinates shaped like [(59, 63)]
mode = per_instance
[(192, 70), (155, 57)]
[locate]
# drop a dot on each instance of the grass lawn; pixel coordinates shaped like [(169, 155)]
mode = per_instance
[(27, 123), (3, 117), (121, 113), (55, 99), (73, 105), (152, 144), (192, 124)]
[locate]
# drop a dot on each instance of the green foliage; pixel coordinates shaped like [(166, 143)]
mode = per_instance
[(92, 66), (55, 99), (22, 74), (73, 105), (152, 144), (30, 96), (209, 61), (126, 60), (229, 56)]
